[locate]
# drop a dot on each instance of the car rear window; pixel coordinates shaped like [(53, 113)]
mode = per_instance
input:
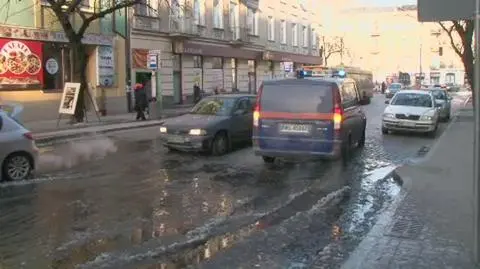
[(395, 86), (297, 98)]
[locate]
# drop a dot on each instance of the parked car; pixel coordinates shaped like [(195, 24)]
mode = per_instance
[(392, 89), (411, 110), (308, 118), (442, 98), (18, 152), (212, 125)]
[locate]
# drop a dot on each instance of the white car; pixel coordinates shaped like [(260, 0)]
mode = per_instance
[(18, 152), (411, 110)]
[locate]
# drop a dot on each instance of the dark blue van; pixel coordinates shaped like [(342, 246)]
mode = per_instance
[(308, 118)]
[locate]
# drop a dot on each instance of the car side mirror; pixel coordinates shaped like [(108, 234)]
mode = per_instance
[(387, 102)]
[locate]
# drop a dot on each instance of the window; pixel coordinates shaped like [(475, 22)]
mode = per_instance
[(294, 34), (199, 12), (147, 8), (176, 8), (233, 18), (252, 21), (217, 63), (245, 105), (283, 31), (197, 61), (314, 38), (218, 14), (349, 95), (57, 65), (271, 28), (305, 36)]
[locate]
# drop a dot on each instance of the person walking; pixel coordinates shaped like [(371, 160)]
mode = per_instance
[(384, 87), (197, 93), (141, 101)]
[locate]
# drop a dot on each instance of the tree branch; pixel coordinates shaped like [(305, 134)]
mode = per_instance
[(452, 40), (103, 13)]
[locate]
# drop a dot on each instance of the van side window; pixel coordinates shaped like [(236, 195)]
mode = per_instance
[(349, 94), (1, 122)]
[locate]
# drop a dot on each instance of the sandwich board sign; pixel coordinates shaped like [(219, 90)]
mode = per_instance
[(445, 10)]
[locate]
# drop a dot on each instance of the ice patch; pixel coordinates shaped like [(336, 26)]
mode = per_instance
[(380, 173)]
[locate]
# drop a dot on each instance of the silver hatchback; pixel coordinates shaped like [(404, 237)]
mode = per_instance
[(18, 152)]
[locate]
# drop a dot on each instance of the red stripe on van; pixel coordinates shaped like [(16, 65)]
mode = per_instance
[(295, 116)]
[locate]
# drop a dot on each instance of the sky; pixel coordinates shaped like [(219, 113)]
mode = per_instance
[(383, 3)]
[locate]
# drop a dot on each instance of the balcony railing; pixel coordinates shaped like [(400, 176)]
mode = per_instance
[(146, 23), (238, 35), (183, 26)]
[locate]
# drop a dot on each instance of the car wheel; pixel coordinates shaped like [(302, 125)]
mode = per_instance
[(267, 159), (17, 167), (361, 142), (220, 144), (384, 130)]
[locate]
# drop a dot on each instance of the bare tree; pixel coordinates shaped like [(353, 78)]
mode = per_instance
[(331, 47), (460, 34), (65, 11)]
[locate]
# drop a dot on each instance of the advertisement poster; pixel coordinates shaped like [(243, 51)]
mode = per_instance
[(69, 100), (20, 64), (105, 66)]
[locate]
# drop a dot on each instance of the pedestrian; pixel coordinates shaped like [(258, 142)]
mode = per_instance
[(141, 101), (384, 87), (148, 92), (196, 93), (215, 91)]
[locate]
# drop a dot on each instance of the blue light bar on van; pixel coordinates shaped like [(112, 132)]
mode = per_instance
[(341, 73)]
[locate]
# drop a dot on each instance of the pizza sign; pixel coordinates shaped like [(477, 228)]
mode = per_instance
[(20, 63)]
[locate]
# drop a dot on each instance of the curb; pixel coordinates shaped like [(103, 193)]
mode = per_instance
[(50, 139)]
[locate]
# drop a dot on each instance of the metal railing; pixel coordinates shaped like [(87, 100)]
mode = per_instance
[(238, 34), (182, 25)]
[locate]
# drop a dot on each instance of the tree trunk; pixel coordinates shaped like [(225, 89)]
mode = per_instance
[(468, 64), (79, 53)]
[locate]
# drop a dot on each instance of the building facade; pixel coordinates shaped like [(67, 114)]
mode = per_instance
[(30, 30), (387, 40), (224, 44)]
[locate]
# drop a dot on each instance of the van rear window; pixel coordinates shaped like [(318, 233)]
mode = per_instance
[(306, 98)]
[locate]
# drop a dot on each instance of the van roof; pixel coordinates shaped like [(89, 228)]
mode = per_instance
[(308, 81)]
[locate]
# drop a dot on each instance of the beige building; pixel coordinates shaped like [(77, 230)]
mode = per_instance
[(389, 40), (222, 43)]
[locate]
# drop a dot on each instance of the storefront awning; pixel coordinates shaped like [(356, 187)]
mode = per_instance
[(291, 57)]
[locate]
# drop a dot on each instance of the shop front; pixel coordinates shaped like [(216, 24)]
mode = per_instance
[(280, 64), (35, 64), (218, 66)]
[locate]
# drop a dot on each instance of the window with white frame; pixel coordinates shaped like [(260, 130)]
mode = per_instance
[(283, 31), (305, 36), (218, 13), (199, 12), (314, 38), (271, 28), (294, 34), (177, 8), (252, 21), (146, 8), (234, 19)]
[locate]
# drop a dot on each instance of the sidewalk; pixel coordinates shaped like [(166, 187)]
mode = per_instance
[(46, 131), (431, 223)]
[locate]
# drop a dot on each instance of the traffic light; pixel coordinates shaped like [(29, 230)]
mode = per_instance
[(440, 51)]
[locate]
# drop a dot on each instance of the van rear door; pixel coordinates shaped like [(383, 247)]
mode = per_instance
[(296, 116)]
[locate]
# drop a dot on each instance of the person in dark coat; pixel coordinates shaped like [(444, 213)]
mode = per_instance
[(197, 93), (384, 87), (141, 101)]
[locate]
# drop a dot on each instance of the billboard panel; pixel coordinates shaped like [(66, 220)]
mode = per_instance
[(445, 10)]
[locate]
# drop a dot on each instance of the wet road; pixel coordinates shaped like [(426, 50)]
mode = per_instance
[(122, 201)]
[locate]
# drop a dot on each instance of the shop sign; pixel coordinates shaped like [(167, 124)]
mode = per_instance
[(105, 66), (51, 66), (44, 35), (20, 64)]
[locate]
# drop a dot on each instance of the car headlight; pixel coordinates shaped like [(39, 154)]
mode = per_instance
[(388, 115), (163, 129), (426, 117), (387, 91), (197, 132)]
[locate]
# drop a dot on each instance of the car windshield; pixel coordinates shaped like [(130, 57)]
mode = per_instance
[(412, 99), (439, 94), (395, 87), (214, 106)]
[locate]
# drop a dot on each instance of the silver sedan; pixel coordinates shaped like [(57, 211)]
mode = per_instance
[(18, 152), (443, 101)]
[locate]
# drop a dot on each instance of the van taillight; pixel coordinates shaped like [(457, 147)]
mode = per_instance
[(337, 113), (256, 112)]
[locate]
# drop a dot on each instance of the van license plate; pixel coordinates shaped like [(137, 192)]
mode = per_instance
[(295, 128)]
